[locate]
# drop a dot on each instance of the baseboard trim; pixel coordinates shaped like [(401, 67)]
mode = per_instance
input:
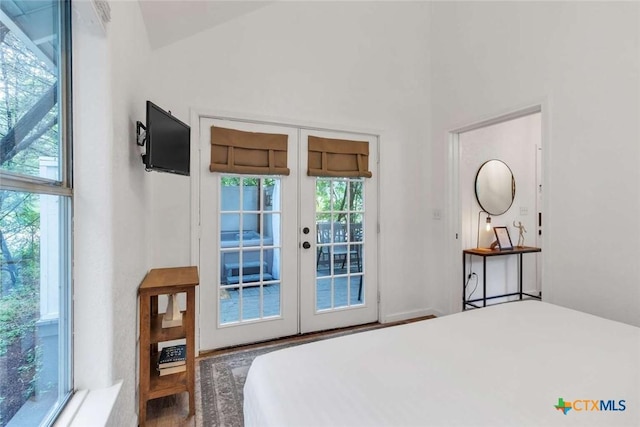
[(408, 315)]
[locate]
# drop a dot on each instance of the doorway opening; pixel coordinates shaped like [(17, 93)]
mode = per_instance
[(515, 140)]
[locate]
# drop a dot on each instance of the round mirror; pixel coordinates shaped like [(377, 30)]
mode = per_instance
[(495, 187)]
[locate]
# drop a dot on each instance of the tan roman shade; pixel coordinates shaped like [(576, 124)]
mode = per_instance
[(236, 151), (338, 158)]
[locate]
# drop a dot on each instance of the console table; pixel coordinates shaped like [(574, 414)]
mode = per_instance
[(485, 253)]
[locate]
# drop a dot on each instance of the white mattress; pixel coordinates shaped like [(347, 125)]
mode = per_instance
[(505, 365)]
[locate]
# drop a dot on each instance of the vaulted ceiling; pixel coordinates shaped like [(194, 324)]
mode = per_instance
[(169, 21)]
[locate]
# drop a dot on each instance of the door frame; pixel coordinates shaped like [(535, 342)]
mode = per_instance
[(198, 113), (454, 218)]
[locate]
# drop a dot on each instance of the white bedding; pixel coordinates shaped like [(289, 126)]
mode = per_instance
[(505, 365)]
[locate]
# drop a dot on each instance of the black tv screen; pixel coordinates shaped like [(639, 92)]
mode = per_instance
[(168, 142)]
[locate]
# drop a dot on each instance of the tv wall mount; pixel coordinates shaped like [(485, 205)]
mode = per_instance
[(141, 136)]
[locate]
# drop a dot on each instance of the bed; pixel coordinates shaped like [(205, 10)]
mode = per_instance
[(505, 365)]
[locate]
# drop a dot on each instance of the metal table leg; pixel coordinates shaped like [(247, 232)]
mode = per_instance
[(484, 281), (464, 283), (520, 275)]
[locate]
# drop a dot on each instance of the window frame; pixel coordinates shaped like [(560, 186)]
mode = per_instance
[(64, 189)]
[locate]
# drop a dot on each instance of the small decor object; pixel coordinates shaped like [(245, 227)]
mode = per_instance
[(521, 231), (172, 317), (503, 238)]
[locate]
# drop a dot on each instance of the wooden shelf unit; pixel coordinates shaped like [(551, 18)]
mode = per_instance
[(166, 281)]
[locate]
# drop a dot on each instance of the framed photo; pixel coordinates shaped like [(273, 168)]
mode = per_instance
[(503, 238)]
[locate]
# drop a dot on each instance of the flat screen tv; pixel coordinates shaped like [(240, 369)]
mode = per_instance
[(168, 142)]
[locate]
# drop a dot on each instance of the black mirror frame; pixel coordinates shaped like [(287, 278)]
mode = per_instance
[(513, 188)]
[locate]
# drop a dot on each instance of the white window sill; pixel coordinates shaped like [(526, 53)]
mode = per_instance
[(89, 407)]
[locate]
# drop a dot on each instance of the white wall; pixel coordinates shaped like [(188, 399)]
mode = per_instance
[(362, 65), (580, 60), (112, 198), (514, 142), (93, 217), (129, 50)]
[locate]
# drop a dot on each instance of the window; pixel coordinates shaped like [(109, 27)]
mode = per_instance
[(35, 211)]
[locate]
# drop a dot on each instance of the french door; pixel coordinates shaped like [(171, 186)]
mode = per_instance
[(280, 255), (339, 286)]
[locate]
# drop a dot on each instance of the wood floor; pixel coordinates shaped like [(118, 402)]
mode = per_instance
[(172, 411)]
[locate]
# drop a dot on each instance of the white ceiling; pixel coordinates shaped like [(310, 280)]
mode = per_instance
[(168, 21)]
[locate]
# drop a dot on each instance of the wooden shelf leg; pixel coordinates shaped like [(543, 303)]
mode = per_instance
[(142, 415), (192, 403)]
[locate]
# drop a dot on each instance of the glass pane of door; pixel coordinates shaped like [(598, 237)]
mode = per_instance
[(339, 243), (250, 244)]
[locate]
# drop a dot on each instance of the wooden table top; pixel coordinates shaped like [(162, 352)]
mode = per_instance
[(176, 277), (498, 252)]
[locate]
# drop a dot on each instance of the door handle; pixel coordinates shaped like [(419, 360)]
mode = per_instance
[(306, 245)]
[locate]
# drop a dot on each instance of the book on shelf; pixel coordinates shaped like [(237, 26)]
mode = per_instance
[(172, 370), (172, 356)]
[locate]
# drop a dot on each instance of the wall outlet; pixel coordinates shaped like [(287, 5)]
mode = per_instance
[(524, 210), (437, 214)]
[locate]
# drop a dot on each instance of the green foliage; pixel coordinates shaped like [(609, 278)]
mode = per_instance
[(19, 299), (19, 239), (18, 314), (25, 78), (29, 372), (235, 181), (340, 195)]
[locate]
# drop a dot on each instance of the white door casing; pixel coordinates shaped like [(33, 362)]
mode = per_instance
[(455, 217)]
